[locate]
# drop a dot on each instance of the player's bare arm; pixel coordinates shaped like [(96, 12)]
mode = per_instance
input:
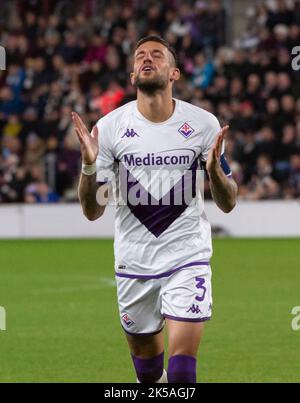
[(88, 187), (223, 189)]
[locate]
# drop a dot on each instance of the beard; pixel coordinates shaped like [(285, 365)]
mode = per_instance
[(150, 86)]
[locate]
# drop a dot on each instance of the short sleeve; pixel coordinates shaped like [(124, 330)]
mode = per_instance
[(105, 159)]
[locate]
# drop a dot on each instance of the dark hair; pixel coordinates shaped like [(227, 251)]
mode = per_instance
[(156, 38)]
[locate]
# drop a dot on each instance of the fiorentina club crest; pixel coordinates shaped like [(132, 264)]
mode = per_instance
[(186, 130), (126, 319)]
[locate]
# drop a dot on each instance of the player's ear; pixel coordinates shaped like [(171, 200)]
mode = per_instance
[(132, 78), (175, 74)]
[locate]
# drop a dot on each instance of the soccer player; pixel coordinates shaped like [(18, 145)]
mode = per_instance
[(162, 250)]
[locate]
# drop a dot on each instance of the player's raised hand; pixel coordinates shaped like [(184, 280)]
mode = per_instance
[(213, 159), (88, 140)]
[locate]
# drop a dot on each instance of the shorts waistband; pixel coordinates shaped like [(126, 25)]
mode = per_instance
[(162, 275)]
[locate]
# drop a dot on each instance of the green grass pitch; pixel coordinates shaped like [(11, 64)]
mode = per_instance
[(63, 325)]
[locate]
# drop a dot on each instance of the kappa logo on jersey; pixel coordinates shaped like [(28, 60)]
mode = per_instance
[(194, 309), (126, 319), (186, 130), (130, 133)]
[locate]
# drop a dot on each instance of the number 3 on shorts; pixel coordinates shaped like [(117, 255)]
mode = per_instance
[(199, 284)]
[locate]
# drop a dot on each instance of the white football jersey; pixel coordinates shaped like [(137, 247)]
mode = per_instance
[(154, 163)]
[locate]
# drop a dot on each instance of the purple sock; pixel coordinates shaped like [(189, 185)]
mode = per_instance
[(149, 370), (182, 369)]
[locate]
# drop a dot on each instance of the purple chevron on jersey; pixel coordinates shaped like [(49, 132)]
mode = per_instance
[(186, 130), (154, 214)]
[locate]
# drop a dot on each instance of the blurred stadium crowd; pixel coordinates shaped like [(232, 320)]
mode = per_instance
[(64, 55)]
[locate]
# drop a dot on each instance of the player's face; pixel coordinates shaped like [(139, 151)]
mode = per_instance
[(153, 68)]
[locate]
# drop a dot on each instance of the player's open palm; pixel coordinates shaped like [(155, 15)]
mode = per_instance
[(213, 158), (88, 140)]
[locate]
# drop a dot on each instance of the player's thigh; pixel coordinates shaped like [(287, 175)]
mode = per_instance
[(146, 346), (139, 306), (186, 305), (184, 337)]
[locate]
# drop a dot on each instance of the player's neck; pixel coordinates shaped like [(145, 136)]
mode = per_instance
[(157, 108)]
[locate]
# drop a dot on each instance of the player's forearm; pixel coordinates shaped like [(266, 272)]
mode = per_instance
[(87, 192), (223, 189)]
